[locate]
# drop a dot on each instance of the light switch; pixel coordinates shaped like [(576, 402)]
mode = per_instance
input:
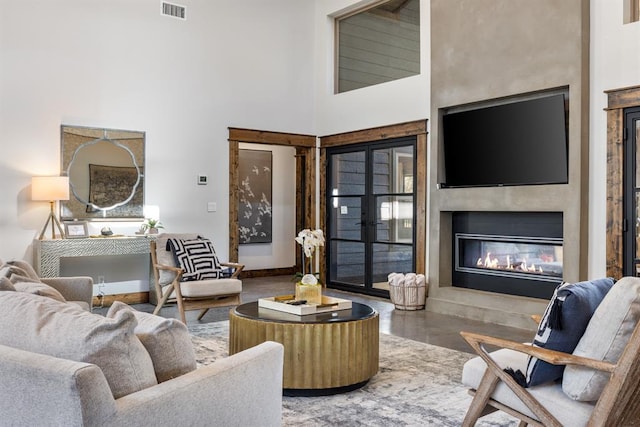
[(212, 207)]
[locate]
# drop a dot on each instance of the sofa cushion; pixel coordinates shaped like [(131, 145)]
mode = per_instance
[(167, 341), (35, 287), (44, 325), (606, 336), (197, 258), (563, 324)]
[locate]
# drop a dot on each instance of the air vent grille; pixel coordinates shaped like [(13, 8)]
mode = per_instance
[(173, 10)]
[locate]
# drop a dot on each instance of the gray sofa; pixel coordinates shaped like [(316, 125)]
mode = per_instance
[(57, 388)]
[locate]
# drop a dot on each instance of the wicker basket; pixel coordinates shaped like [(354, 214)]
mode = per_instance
[(408, 291)]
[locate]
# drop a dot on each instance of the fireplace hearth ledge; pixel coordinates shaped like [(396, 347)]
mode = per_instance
[(516, 311)]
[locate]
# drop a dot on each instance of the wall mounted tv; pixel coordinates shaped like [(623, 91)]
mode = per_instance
[(516, 143)]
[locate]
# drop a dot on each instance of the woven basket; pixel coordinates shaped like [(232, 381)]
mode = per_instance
[(408, 291)]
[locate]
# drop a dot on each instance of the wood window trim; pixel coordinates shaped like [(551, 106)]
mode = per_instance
[(416, 128), (618, 100), (306, 150)]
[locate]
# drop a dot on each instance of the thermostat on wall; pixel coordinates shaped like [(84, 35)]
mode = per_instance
[(202, 179)]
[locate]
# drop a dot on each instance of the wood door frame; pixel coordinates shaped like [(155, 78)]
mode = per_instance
[(306, 149), (416, 128), (618, 101)]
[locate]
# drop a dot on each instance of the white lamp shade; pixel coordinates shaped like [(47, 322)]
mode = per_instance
[(50, 188)]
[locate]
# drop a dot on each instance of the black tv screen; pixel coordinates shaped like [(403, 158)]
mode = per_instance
[(519, 143)]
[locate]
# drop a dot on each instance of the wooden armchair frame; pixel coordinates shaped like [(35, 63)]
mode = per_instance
[(203, 304), (619, 403)]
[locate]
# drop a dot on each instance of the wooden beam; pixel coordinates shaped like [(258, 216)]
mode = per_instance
[(375, 134), (273, 138)]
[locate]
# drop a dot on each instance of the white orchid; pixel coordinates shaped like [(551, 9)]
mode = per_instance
[(310, 240)]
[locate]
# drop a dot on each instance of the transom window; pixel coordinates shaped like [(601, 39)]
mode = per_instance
[(378, 44)]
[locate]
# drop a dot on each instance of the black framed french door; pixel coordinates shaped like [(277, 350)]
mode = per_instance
[(631, 193), (371, 214)]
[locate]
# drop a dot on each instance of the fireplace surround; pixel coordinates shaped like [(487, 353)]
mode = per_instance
[(514, 253)]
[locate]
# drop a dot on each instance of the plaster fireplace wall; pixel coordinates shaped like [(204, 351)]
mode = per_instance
[(489, 51)]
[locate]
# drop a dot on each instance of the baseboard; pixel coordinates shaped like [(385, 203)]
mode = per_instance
[(285, 271), (130, 298)]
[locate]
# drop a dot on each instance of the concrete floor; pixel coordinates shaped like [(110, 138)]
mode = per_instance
[(420, 325)]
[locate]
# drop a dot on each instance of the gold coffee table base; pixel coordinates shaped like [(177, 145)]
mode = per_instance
[(322, 355)]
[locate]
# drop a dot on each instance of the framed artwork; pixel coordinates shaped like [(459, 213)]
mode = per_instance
[(255, 193), (75, 229)]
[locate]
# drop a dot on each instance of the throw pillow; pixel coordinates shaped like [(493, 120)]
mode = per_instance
[(164, 254), (167, 341), (5, 284), (563, 324), (63, 330), (36, 287), (197, 258), (26, 268), (605, 338)]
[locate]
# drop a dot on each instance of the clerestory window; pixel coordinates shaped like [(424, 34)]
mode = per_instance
[(378, 44)]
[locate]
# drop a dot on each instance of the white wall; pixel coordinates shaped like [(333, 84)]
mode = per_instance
[(120, 64), (241, 63), (280, 253), (615, 63)]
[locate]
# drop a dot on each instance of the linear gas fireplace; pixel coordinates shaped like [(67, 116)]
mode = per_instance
[(517, 253)]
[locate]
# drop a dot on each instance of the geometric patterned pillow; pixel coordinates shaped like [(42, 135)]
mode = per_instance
[(197, 258)]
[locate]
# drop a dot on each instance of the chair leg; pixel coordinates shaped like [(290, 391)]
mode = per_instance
[(180, 303), (202, 313), (481, 398), (163, 300)]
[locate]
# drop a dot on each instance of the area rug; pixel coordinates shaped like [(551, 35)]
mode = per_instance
[(417, 384)]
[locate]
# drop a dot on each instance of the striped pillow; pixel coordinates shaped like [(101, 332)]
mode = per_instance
[(197, 258)]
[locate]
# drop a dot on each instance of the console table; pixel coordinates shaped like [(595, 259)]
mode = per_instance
[(49, 252)]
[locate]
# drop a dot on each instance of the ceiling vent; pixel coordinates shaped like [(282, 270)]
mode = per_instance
[(173, 10)]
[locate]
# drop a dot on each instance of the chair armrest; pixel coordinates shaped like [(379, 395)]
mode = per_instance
[(67, 392), (238, 268), (244, 389), (551, 356), (177, 270), (78, 288)]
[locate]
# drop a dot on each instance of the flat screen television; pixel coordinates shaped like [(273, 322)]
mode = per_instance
[(518, 143)]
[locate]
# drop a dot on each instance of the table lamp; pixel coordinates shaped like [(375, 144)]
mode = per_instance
[(51, 189)]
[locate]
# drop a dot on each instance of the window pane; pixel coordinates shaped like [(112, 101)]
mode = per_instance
[(347, 264), (348, 174), (378, 45), (395, 219), (391, 258), (345, 218), (393, 170)]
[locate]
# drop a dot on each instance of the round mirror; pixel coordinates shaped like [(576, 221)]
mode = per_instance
[(105, 173)]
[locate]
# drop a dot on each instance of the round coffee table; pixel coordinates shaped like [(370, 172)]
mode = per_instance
[(323, 353)]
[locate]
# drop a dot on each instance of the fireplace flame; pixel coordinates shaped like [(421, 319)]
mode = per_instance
[(494, 263)]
